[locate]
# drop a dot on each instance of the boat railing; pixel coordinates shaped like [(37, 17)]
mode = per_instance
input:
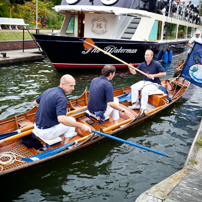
[(178, 11), (37, 31)]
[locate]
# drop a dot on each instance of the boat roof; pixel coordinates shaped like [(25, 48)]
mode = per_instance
[(116, 10)]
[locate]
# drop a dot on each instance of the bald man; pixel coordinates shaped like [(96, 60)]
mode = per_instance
[(50, 119)]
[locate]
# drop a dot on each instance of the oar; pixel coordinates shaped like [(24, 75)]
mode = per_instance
[(28, 132), (53, 151), (5, 135), (89, 44), (130, 143), (124, 97)]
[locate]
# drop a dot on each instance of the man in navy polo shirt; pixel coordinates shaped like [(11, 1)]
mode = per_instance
[(150, 83), (50, 119), (101, 98)]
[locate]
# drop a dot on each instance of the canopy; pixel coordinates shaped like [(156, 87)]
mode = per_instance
[(115, 10)]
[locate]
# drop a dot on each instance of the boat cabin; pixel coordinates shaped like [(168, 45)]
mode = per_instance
[(134, 20)]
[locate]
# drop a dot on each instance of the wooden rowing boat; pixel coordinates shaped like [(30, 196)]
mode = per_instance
[(13, 151)]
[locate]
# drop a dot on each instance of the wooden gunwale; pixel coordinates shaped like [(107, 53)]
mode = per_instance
[(112, 130)]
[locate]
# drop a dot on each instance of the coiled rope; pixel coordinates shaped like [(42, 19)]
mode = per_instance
[(11, 158)]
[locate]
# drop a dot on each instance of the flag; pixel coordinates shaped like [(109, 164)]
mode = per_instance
[(192, 70)]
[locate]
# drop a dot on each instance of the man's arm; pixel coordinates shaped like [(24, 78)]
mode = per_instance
[(117, 107), (190, 46), (132, 70), (69, 122), (35, 103), (159, 75)]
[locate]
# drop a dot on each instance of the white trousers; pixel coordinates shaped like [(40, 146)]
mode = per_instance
[(146, 87), (56, 131), (115, 113)]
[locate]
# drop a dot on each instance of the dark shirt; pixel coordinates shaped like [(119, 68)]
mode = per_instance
[(196, 10), (100, 93), (52, 103), (153, 68), (190, 6)]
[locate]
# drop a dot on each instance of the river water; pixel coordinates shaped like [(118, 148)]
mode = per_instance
[(109, 170)]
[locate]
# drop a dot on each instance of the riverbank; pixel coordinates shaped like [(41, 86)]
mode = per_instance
[(183, 186), (16, 56)]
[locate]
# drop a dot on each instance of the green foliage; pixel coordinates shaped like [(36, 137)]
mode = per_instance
[(55, 2), (4, 8), (200, 3), (199, 142), (54, 21), (193, 161), (47, 18)]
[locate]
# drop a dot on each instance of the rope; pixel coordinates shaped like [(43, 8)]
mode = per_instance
[(12, 158)]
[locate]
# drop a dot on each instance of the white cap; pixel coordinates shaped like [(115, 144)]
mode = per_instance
[(183, 0), (197, 32)]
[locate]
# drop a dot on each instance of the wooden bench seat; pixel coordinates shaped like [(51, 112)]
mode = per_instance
[(48, 142), (156, 99)]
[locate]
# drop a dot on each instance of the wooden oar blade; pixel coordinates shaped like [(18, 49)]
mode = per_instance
[(88, 43)]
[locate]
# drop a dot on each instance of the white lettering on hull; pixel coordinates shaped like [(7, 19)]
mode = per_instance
[(110, 49)]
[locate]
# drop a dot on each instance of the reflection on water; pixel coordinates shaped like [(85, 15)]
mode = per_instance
[(109, 170)]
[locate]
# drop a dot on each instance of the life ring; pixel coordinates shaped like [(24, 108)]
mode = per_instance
[(108, 2), (71, 1)]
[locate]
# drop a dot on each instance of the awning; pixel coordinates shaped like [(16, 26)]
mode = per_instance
[(110, 9)]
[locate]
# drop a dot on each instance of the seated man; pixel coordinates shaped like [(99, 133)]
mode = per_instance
[(150, 82), (51, 120), (101, 100)]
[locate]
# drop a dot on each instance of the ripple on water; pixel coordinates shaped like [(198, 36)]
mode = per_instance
[(109, 170)]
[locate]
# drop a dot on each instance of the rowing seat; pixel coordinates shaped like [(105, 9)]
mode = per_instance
[(94, 117), (48, 142), (157, 98)]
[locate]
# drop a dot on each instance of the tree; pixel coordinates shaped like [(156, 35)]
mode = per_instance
[(47, 18), (4, 8)]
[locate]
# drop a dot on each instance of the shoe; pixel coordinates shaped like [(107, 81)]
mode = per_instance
[(134, 106), (143, 111)]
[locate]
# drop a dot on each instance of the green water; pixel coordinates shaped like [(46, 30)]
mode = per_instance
[(109, 170)]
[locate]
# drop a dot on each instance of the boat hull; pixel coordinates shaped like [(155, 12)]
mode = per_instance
[(69, 52), (175, 87)]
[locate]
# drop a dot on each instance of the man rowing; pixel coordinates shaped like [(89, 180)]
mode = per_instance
[(101, 100), (51, 120)]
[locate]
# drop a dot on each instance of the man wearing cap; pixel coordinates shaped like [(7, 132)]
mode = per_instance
[(194, 39), (183, 3)]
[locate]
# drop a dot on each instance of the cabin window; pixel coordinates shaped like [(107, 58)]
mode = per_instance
[(181, 32), (190, 31), (70, 28), (170, 31), (156, 31)]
